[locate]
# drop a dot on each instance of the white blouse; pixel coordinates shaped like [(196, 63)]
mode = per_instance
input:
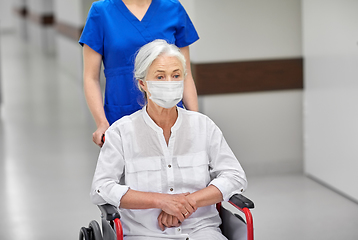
[(135, 155)]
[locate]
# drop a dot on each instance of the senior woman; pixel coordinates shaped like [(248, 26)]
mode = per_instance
[(163, 166)]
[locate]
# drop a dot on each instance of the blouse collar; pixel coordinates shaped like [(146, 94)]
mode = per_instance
[(155, 127)]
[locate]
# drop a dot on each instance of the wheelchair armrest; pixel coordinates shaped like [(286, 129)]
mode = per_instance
[(109, 212), (241, 201)]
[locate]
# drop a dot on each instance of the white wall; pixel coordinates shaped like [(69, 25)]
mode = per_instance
[(69, 11), (41, 7), (20, 24), (263, 129), (232, 30), (69, 56), (6, 16), (69, 52), (40, 36), (331, 96)]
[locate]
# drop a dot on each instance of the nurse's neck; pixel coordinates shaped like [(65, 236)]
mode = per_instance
[(138, 7)]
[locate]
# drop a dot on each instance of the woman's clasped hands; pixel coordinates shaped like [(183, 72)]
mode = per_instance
[(175, 209)]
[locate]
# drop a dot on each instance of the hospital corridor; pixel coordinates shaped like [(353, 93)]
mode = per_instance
[(295, 137)]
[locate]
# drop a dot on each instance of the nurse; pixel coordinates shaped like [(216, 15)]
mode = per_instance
[(114, 31), (163, 166)]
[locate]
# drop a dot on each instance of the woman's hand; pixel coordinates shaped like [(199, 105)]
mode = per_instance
[(166, 220), (98, 134), (178, 205)]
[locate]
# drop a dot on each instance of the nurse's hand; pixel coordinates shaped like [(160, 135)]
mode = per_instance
[(177, 205), (166, 220), (98, 134)]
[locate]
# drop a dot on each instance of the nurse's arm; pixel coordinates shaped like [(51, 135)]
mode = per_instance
[(190, 97), (93, 93)]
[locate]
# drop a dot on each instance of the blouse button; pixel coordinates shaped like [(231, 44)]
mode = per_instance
[(171, 189), (98, 191), (169, 166)]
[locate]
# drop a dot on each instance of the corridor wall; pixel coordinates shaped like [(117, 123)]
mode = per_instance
[(70, 19), (330, 40), (6, 16), (262, 126), (39, 25), (19, 10)]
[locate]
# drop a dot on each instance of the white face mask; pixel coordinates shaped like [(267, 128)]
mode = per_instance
[(166, 94)]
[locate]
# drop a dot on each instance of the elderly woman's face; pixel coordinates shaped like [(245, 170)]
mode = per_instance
[(165, 68), (164, 81)]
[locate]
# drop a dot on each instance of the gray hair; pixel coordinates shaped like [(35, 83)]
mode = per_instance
[(151, 51)]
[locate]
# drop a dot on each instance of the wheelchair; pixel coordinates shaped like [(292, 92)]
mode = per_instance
[(233, 226)]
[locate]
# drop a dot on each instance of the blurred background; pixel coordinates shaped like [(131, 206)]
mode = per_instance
[(279, 77)]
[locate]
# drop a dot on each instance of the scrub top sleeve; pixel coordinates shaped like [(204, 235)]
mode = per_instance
[(92, 34), (186, 33)]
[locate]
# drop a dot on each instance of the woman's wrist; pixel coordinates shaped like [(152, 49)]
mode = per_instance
[(157, 200)]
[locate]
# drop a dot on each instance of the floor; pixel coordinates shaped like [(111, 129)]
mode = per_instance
[(47, 160)]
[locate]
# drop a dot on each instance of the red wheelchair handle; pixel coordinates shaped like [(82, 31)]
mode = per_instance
[(119, 229)]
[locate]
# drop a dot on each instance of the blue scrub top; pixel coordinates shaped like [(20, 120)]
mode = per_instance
[(115, 33)]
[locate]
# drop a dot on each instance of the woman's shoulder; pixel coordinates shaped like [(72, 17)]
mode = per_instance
[(195, 115), (198, 121), (129, 119)]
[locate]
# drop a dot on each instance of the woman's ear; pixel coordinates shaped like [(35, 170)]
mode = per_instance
[(142, 84)]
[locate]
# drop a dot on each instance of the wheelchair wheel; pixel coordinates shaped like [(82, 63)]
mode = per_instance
[(93, 232), (97, 234), (85, 234)]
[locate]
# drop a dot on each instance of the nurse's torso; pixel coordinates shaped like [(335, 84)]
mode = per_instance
[(124, 34)]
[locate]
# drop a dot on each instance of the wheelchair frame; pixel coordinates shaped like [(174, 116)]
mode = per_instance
[(111, 223)]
